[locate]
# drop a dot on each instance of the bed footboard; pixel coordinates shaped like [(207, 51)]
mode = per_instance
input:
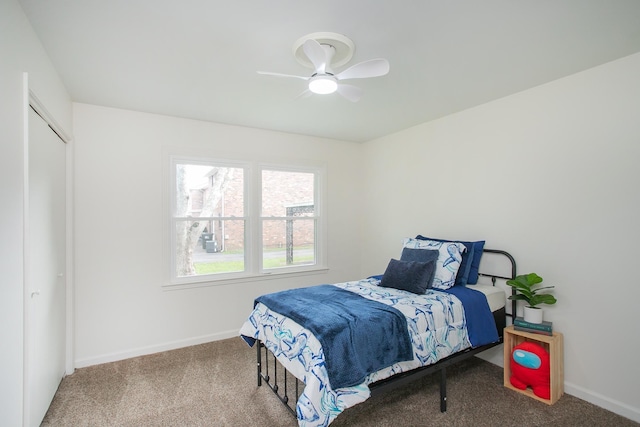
[(279, 380)]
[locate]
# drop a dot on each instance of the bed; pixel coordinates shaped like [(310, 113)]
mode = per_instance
[(322, 339)]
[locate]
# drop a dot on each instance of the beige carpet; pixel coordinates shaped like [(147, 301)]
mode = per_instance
[(214, 384)]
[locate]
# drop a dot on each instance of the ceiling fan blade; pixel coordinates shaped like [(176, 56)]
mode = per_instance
[(316, 55), (370, 68), (304, 94), (268, 73), (352, 93)]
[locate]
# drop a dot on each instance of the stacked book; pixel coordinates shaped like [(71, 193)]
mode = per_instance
[(544, 328)]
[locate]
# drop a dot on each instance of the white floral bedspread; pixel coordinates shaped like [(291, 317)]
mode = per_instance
[(437, 328)]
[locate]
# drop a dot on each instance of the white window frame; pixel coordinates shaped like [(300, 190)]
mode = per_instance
[(253, 222)]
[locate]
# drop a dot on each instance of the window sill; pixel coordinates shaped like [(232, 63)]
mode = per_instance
[(206, 282)]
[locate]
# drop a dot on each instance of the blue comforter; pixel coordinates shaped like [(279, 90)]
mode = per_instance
[(353, 330)]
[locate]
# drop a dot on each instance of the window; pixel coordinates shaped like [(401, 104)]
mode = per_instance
[(233, 220), (288, 218)]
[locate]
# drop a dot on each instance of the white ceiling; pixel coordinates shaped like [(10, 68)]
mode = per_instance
[(198, 58)]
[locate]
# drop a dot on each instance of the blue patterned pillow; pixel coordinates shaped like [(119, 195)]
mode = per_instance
[(449, 259), (409, 276), (469, 268)]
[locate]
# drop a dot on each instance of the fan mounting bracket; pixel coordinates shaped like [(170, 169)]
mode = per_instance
[(343, 46)]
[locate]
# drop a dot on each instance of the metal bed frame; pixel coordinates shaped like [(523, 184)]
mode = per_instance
[(284, 382)]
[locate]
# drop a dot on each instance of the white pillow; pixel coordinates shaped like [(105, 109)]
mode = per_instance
[(448, 263)]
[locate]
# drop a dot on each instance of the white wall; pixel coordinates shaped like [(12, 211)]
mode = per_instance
[(21, 52), (122, 309), (551, 175)]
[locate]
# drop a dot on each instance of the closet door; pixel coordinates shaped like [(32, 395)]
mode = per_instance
[(46, 260)]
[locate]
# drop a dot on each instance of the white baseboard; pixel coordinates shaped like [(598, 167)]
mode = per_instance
[(496, 356), (142, 351), (597, 399)]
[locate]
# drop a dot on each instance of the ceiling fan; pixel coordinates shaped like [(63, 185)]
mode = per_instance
[(321, 51)]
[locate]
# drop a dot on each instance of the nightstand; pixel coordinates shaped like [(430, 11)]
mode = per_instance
[(553, 344)]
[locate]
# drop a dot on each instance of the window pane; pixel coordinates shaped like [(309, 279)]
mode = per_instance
[(287, 193), (209, 247), (209, 191), (288, 243)]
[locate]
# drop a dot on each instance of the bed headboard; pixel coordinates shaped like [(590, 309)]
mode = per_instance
[(505, 276)]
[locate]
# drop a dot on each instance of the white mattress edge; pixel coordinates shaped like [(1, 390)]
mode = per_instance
[(496, 297)]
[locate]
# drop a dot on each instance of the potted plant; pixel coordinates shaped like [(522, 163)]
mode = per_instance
[(526, 289)]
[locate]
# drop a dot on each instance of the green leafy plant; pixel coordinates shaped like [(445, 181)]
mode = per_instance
[(525, 286)]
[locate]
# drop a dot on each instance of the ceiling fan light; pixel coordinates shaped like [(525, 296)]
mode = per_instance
[(323, 85)]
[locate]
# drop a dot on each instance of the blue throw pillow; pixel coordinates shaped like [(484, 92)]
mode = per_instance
[(468, 272), (409, 276), (419, 255)]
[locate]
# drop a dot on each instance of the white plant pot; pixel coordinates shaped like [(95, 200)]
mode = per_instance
[(532, 314)]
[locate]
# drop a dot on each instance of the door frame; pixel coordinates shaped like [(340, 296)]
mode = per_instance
[(30, 100)]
